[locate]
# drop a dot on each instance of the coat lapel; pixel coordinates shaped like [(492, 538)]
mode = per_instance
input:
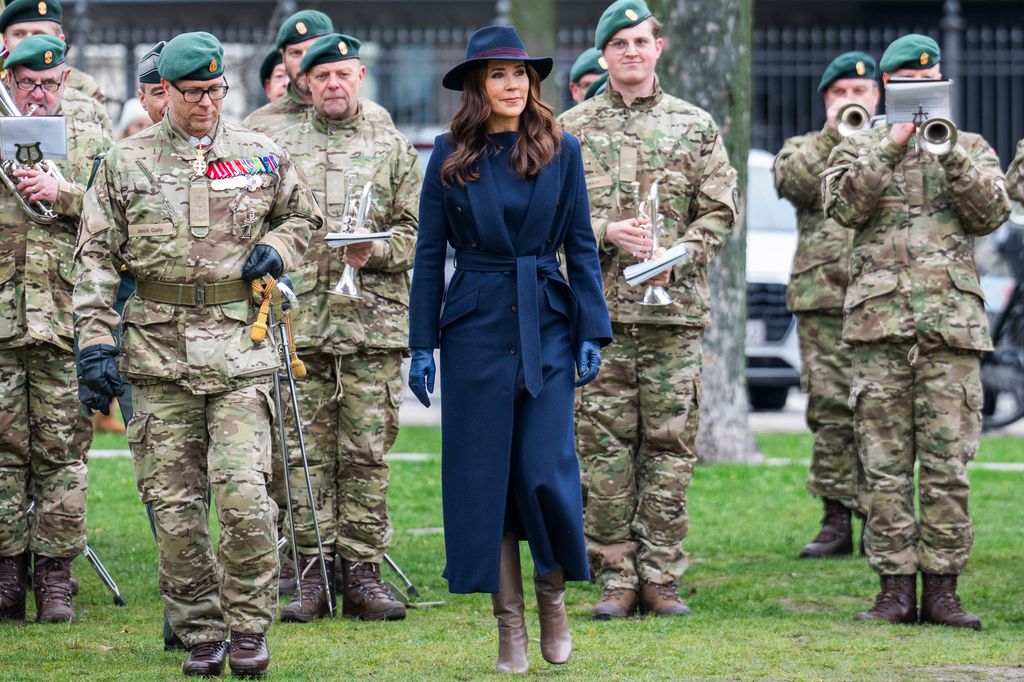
[(540, 212), (485, 201)]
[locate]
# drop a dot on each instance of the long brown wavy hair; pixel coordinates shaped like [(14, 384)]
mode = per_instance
[(539, 137)]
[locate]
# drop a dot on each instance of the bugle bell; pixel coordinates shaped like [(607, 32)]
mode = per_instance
[(937, 135), (357, 208), (852, 118)]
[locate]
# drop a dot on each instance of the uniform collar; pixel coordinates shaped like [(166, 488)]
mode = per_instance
[(349, 125), (179, 139), (645, 103)]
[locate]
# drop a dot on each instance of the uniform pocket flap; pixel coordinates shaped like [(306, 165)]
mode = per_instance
[(459, 307), (871, 285), (305, 278), (136, 428), (7, 266), (141, 312), (803, 263), (966, 280), (238, 310)]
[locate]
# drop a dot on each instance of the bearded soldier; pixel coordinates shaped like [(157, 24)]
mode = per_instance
[(815, 294), (195, 208), (915, 317), (353, 388), (638, 420), (44, 432)]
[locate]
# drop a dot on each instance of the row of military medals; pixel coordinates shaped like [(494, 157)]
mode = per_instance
[(238, 174)]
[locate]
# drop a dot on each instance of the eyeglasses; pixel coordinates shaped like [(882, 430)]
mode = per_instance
[(45, 86), (620, 44), (195, 95)]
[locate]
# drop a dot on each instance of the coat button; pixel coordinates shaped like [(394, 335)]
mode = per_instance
[(514, 309), (522, 387), (550, 240), (512, 350), (458, 209), (472, 245)]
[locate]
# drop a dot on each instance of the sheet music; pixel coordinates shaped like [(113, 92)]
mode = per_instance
[(914, 100), (49, 132)]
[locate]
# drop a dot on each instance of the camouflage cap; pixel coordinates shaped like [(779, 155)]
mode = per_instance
[(197, 56), (597, 87), (309, 23), (590, 61), (37, 53), (333, 47), (619, 15), (912, 51), (18, 11), (271, 61), (848, 65), (149, 65)]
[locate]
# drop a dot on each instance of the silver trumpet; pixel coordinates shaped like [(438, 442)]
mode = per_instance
[(852, 118), (356, 210), (937, 135), (653, 295), (40, 211)]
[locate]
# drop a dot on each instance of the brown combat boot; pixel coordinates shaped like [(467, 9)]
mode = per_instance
[(315, 600), (249, 655), (616, 602), (836, 535), (508, 607), (286, 582), (13, 586), (364, 596), (662, 600), (205, 659), (555, 639), (896, 603), (940, 604), (51, 582)]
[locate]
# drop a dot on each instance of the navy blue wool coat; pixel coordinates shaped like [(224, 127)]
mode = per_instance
[(508, 336)]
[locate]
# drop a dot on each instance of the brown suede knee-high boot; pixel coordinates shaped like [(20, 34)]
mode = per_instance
[(508, 609), (555, 640)]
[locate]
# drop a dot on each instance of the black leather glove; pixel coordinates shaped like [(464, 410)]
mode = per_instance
[(263, 260), (93, 400), (99, 370)]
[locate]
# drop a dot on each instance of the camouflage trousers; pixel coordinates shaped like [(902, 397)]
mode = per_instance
[(45, 434), (349, 408), (635, 435), (182, 445), (924, 407), (826, 375)]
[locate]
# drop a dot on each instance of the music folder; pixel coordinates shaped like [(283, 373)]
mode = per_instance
[(638, 273), (915, 100), (339, 239), (31, 139)]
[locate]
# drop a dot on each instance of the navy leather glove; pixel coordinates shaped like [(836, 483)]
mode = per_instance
[(99, 370), (93, 400), (588, 362), (263, 260), (421, 374)]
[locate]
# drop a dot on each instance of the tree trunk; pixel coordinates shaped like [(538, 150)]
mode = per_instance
[(707, 62), (535, 23)]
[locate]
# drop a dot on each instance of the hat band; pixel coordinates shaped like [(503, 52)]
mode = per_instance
[(501, 53)]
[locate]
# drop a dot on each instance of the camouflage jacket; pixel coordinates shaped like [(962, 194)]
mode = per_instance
[(84, 83), (912, 272), (272, 118), (661, 138), (146, 210), (327, 152), (1015, 175), (36, 263), (821, 265)]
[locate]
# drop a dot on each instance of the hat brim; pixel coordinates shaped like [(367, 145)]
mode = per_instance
[(453, 79)]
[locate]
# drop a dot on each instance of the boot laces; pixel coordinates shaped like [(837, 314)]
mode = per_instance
[(668, 592), (613, 593), (310, 583), (246, 640), (9, 571), (55, 582), (206, 649), (950, 601), (365, 578)]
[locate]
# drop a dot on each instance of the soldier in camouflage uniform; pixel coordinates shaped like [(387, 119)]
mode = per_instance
[(1015, 175), (815, 294), (353, 348), (916, 319), (637, 422), (171, 203), (44, 431)]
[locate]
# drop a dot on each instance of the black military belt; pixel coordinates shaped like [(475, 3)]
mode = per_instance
[(193, 294)]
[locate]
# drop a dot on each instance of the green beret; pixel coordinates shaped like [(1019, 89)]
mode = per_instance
[(37, 53), (149, 65), (309, 23), (272, 59), (333, 47), (619, 15), (597, 87), (590, 61), (195, 56), (848, 65), (30, 10), (913, 51)]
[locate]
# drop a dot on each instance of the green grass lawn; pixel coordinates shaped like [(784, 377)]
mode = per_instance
[(759, 613)]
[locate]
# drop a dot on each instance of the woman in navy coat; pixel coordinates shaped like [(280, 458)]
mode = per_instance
[(506, 189)]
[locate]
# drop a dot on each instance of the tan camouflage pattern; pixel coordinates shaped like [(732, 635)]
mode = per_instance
[(915, 405), (44, 436), (139, 213), (274, 117), (180, 444), (87, 85), (1015, 175), (826, 374), (661, 138), (821, 265), (916, 216), (349, 407), (326, 152), (636, 437)]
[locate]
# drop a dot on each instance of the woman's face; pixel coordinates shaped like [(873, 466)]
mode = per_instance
[(507, 87)]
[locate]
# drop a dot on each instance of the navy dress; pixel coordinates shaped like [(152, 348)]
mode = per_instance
[(508, 335)]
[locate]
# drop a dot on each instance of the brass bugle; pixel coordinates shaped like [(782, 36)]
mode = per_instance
[(852, 118), (41, 212), (937, 135)]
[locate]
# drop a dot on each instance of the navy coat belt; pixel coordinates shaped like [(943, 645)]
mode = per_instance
[(528, 269)]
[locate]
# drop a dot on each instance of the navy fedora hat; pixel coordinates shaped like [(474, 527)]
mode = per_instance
[(495, 42)]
